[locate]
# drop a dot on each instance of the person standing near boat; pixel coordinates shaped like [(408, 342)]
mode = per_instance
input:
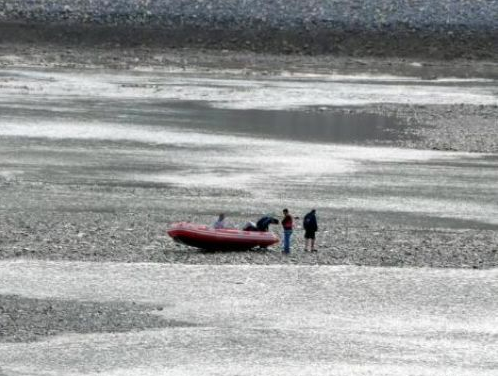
[(310, 226), (287, 224)]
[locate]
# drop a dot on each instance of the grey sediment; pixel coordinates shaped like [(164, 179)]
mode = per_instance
[(25, 319), (443, 29), (77, 232)]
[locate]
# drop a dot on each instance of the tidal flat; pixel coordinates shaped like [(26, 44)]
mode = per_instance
[(97, 159)]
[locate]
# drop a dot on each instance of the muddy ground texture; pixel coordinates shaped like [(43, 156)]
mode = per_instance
[(112, 223), (142, 56), (438, 127), (26, 319)]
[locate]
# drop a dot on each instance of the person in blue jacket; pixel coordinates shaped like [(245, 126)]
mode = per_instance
[(310, 226)]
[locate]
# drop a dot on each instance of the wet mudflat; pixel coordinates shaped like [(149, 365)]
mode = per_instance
[(253, 320), (312, 125), (103, 161), (96, 163)]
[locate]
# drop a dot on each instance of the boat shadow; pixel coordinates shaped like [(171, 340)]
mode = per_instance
[(261, 250)]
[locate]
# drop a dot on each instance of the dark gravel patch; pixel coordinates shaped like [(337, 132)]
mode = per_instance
[(443, 29), (26, 320), (345, 238)]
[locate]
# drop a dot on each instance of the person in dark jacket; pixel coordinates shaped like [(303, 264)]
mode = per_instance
[(264, 223), (310, 226), (287, 224)]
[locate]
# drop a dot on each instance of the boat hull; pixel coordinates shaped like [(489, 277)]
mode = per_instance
[(207, 238)]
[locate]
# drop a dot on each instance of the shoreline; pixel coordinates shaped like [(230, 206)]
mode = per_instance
[(115, 57), (353, 43), (446, 30)]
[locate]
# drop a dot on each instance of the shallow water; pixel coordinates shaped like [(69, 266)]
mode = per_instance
[(226, 89), (242, 171), (277, 320), (312, 125), (223, 132)]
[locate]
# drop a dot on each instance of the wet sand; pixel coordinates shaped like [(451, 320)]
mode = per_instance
[(252, 320)]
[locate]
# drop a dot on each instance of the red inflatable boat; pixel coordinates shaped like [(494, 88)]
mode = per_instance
[(205, 237)]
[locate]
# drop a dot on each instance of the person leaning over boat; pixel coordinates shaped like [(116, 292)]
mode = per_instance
[(220, 223), (264, 223), (310, 226), (287, 224)]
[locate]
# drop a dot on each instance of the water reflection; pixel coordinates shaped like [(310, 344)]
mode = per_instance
[(311, 125)]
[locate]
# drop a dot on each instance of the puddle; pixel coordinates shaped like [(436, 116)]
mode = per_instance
[(310, 126)]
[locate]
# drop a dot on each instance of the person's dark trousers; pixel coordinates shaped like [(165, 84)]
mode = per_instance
[(287, 240)]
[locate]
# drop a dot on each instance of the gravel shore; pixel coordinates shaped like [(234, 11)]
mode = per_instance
[(445, 29), (349, 238)]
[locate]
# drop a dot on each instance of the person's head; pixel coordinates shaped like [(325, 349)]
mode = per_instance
[(285, 211), (221, 217), (313, 211)]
